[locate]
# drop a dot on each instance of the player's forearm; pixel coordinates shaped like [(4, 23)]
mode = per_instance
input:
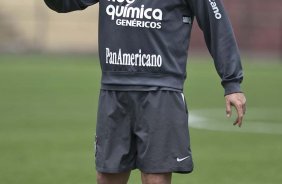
[(64, 6), (220, 40)]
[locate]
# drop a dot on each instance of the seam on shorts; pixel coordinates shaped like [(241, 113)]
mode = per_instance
[(180, 170), (114, 170)]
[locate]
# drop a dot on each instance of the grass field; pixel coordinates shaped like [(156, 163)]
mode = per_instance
[(48, 110)]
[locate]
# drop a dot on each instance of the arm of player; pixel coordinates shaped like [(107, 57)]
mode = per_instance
[(64, 6), (220, 40)]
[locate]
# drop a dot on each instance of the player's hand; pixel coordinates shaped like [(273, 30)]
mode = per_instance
[(238, 100)]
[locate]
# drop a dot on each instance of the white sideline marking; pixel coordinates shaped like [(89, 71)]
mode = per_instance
[(201, 122)]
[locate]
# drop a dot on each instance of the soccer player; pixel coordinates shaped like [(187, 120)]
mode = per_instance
[(143, 47)]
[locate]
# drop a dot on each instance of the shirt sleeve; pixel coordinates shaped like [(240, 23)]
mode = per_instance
[(64, 6), (220, 40)]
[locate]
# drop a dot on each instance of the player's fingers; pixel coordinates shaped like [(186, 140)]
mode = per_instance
[(239, 121), (228, 109), (240, 114), (244, 109), (236, 121), (244, 105)]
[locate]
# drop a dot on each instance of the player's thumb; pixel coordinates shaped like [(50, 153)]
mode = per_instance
[(228, 109)]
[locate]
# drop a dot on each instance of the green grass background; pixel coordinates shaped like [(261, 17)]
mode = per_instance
[(48, 110)]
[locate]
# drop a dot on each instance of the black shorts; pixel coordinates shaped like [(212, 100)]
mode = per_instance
[(147, 130)]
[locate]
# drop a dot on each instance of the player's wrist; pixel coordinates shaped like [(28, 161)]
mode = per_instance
[(232, 87)]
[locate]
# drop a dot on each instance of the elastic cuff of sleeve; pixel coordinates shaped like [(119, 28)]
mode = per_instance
[(232, 87)]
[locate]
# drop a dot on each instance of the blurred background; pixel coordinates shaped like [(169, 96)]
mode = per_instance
[(49, 88), (29, 27)]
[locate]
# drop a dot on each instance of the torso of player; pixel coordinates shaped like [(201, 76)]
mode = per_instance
[(141, 40)]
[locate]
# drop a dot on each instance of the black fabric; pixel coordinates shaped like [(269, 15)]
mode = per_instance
[(144, 130), (64, 6), (145, 43)]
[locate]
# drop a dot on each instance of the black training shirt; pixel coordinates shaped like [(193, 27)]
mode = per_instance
[(143, 44)]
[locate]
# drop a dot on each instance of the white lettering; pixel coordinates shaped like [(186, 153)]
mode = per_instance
[(133, 59), (215, 8), (127, 11), (111, 11)]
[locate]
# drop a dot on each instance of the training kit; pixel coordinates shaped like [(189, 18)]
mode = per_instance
[(143, 50), (144, 43)]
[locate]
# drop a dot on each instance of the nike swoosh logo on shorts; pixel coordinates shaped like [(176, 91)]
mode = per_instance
[(181, 159)]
